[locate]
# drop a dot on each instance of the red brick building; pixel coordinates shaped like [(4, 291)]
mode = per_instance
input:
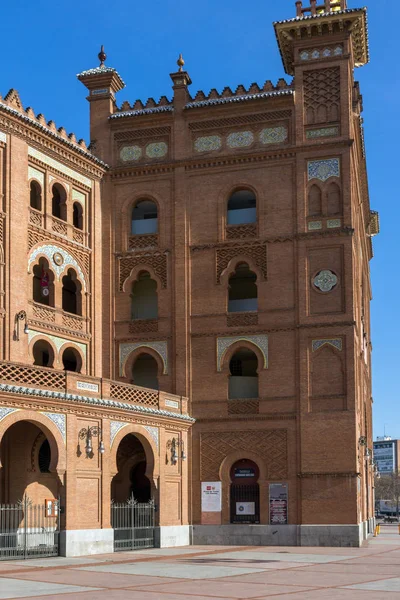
[(206, 260)]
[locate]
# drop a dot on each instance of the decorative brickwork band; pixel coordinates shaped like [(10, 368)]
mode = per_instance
[(271, 446), (336, 343), (115, 426), (59, 259), (59, 421), (160, 347), (257, 251), (223, 343), (322, 95), (156, 260)]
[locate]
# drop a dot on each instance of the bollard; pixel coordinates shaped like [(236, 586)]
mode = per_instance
[(379, 529), (376, 530), (399, 528)]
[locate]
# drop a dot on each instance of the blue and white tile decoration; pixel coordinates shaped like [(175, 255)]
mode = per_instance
[(240, 139), (128, 153), (336, 343), (208, 143), (156, 149), (323, 169), (59, 421)]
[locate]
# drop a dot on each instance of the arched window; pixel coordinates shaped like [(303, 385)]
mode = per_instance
[(59, 202), (35, 195), (314, 201), (144, 217), (77, 215), (242, 208), (43, 283), (242, 290), (144, 298), (44, 457), (71, 360), (334, 200), (43, 355), (243, 379), (145, 372), (71, 293)]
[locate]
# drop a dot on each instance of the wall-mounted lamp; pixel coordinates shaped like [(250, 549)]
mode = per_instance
[(174, 445), (87, 434), (20, 316)]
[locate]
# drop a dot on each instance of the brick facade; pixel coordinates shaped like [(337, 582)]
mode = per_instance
[(156, 292)]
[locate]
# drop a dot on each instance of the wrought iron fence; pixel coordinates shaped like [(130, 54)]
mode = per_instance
[(29, 530), (133, 523), (245, 503)]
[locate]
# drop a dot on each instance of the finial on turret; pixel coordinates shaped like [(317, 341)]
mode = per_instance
[(102, 56), (180, 62)]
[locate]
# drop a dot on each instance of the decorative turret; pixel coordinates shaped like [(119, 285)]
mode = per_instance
[(181, 80), (320, 23), (103, 83)]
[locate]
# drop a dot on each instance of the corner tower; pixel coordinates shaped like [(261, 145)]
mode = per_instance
[(321, 46)]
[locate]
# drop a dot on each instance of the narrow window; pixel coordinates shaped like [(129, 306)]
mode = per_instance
[(314, 201), (144, 218), (242, 290), (43, 355), (35, 196), (59, 202), (71, 293), (145, 372), (44, 457), (43, 284), (242, 208), (144, 298), (71, 360), (334, 200), (77, 215), (243, 379)]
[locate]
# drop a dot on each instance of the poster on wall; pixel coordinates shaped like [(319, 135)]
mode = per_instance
[(245, 508), (278, 503), (211, 496)]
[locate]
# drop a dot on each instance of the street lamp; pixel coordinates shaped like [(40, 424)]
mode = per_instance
[(87, 434), (20, 316), (174, 445)]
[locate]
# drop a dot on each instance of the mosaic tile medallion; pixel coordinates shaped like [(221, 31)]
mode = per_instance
[(338, 51), (208, 143), (273, 135), (156, 149), (240, 139), (304, 55), (128, 153), (325, 280), (333, 223), (323, 169)]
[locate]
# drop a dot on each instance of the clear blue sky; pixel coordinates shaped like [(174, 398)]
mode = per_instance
[(224, 42)]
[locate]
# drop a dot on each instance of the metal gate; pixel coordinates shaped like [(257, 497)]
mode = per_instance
[(28, 530), (245, 503), (133, 524)]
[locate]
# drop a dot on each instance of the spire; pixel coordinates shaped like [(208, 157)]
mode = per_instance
[(102, 56)]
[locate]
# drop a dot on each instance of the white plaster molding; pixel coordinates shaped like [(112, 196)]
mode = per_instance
[(57, 341), (223, 343), (48, 251), (153, 431), (36, 174), (5, 411), (126, 349), (51, 162), (79, 197), (3, 137)]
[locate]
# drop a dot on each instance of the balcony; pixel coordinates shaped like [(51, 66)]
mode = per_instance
[(43, 315), (58, 226), (82, 386)]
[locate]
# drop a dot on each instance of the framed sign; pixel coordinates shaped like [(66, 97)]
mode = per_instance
[(51, 509), (211, 496), (240, 473), (245, 508), (278, 503)]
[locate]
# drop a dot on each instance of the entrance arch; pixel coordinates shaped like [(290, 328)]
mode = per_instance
[(244, 492), (134, 476)]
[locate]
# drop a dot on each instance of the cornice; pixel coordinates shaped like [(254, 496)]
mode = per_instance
[(86, 400), (47, 138), (255, 417), (260, 330), (72, 333)]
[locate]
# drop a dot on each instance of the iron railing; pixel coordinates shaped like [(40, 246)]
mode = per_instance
[(133, 523), (28, 531)]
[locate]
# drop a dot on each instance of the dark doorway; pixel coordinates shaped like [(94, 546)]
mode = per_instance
[(245, 492)]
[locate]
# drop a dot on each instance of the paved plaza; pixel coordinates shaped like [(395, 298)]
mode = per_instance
[(210, 572)]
